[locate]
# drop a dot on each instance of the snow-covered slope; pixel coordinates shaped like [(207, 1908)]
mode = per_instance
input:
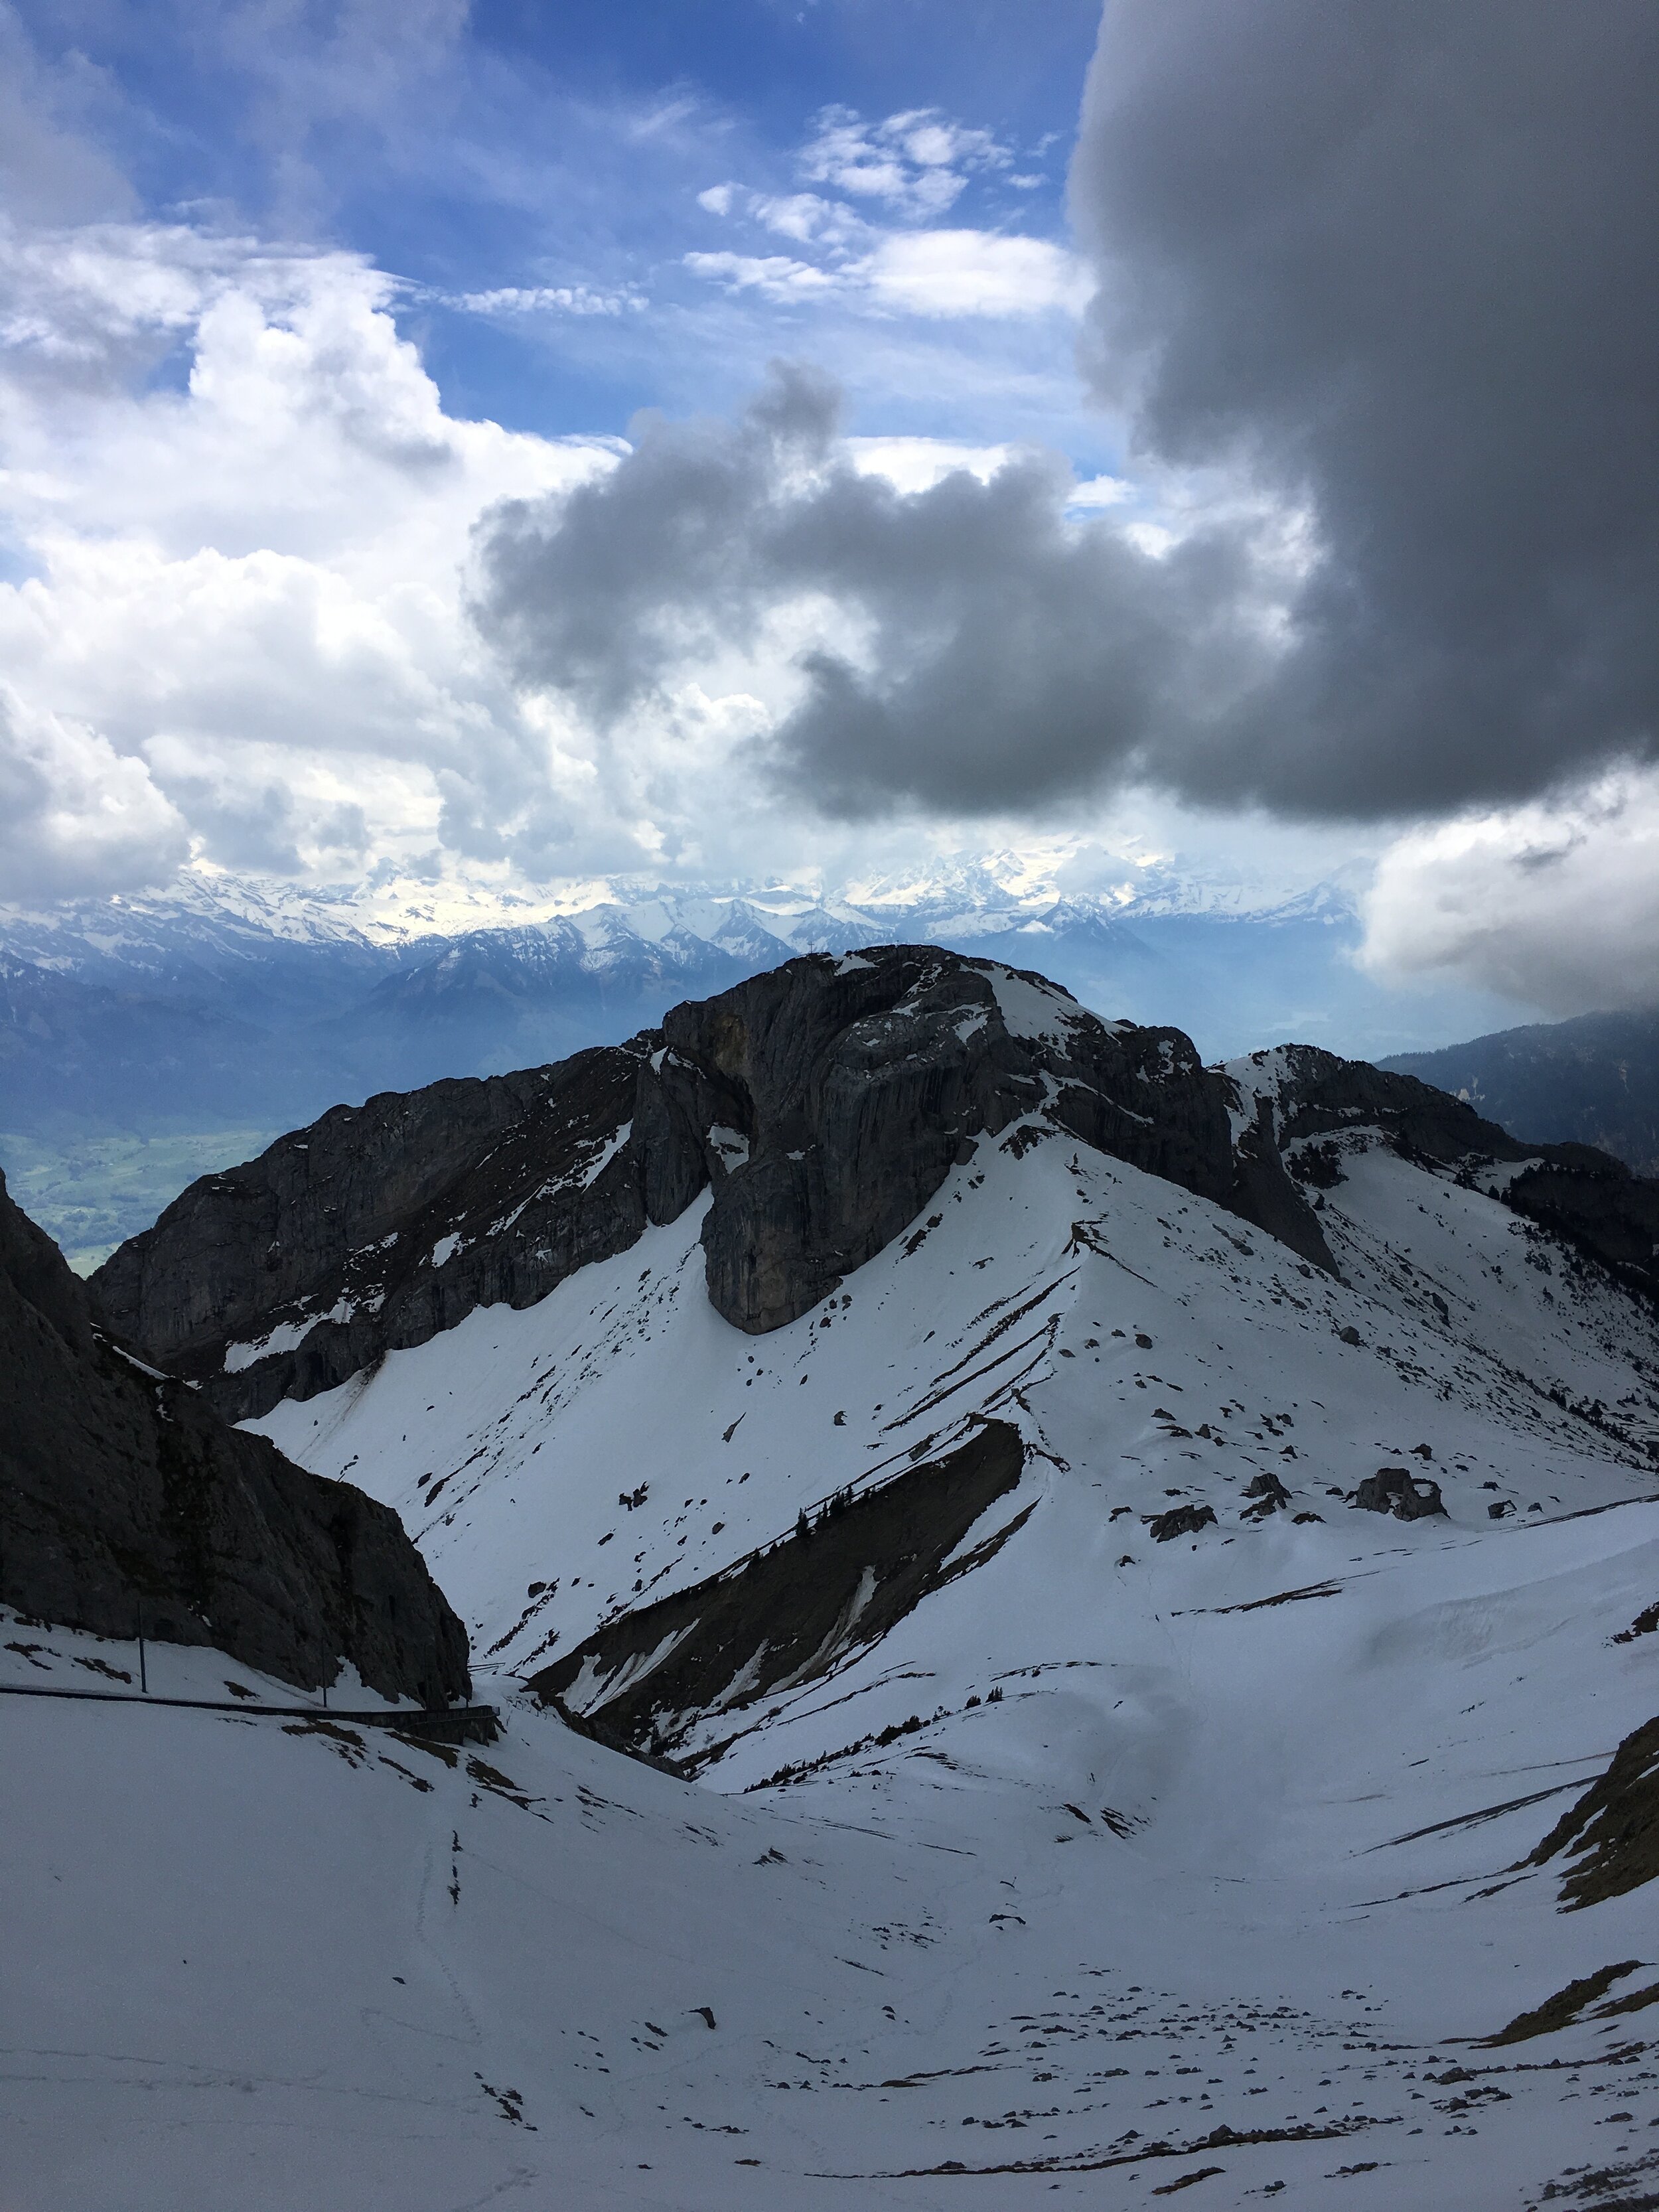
[(1218, 1894), (1148, 1851), (1029, 1302)]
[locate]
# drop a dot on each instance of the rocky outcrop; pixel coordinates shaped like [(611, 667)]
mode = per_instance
[(1392, 1490), (789, 1613), (825, 1103), (1181, 1521), (119, 1488), (379, 1226), (1305, 1099), (1613, 1830), (852, 1085)]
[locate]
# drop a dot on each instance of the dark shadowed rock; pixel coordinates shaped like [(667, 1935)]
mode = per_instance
[(854, 1085), (1392, 1490), (1262, 1192), (1181, 1521), (1613, 1830), (789, 1613), (379, 1226), (119, 1487), (1270, 1495)]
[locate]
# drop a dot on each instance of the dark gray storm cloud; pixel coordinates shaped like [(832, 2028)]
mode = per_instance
[(1006, 658), (1389, 265), (1399, 257)]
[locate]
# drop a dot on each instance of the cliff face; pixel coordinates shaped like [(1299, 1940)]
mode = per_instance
[(119, 1487), (851, 1087), (379, 1226), (824, 1103)]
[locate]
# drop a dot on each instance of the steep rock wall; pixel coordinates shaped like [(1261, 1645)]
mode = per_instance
[(120, 1488)]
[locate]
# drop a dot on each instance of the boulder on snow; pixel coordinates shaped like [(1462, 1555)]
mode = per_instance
[(1181, 1521), (1393, 1490), (1270, 1495)]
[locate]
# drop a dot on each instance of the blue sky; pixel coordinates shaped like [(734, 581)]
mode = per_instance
[(561, 148)]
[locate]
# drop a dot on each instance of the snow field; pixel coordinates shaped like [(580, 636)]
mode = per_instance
[(1201, 1857)]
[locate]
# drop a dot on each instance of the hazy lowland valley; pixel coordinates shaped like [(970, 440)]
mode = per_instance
[(828, 1106)]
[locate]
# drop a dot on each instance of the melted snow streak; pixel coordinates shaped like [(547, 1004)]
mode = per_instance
[(1198, 1864)]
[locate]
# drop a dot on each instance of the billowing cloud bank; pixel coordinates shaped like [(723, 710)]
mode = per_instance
[(1556, 904), (961, 646), (231, 618)]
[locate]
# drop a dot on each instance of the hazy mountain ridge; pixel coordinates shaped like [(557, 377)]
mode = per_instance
[(132, 1028), (1592, 1080)]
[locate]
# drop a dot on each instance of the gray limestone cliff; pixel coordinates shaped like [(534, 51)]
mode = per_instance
[(119, 1488)]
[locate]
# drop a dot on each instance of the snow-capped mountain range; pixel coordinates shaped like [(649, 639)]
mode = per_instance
[(228, 1000), (1141, 1578), (215, 913)]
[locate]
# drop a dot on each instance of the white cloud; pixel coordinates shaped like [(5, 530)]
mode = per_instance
[(244, 630), (912, 465), (810, 220), (775, 276), (932, 274), (74, 815), (1555, 903), (547, 299), (1101, 491), (917, 163), (975, 272)]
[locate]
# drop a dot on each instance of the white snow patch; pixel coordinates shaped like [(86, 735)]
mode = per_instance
[(1036, 1012), (589, 1174), (288, 1335)]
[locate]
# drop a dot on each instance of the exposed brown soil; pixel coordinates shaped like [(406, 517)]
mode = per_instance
[(1614, 1829), (1562, 2009)]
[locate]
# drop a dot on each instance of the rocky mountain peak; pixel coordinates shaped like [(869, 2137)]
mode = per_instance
[(823, 1104), (855, 1084)]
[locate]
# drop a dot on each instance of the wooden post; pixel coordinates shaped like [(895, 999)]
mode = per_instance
[(143, 1671)]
